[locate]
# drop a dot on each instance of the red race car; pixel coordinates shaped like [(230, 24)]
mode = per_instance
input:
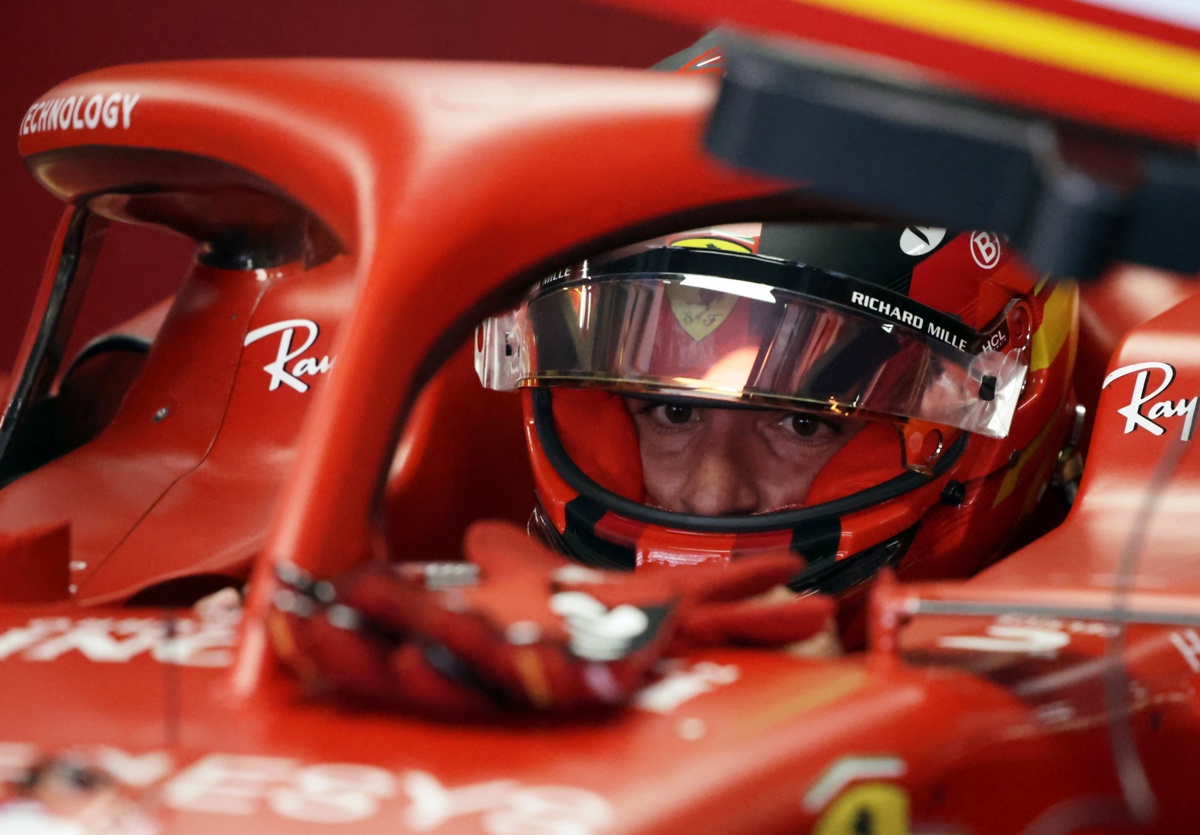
[(1050, 693)]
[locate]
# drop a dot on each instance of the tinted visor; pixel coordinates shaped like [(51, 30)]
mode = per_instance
[(732, 340)]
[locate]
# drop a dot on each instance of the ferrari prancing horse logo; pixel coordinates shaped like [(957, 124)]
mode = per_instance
[(699, 312)]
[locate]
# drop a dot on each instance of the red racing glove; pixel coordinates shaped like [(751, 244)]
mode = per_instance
[(517, 626)]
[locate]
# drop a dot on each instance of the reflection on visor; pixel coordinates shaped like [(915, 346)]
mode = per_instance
[(741, 341)]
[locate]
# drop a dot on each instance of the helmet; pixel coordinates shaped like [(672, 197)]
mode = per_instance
[(923, 373)]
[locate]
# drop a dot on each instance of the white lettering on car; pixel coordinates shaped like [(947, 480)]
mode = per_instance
[(81, 113), (333, 793), (186, 642), (243, 785), (682, 684), (1032, 634), (505, 806), (1135, 417), (308, 366), (1027, 639), (226, 784), (1188, 644), (132, 769)]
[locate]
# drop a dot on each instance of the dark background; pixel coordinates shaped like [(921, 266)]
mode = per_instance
[(45, 42)]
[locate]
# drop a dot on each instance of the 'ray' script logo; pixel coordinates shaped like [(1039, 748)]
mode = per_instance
[(1141, 413), (280, 372)]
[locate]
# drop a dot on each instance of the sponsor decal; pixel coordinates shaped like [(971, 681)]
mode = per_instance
[(1187, 641), (920, 240), (1027, 639), (985, 249), (1055, 713), (904, 317), (278, 370), (414, 800), (744, 246), (103, 110), (185, 641), (680, 684), (699, 313), (1145, 409), (849, 805), (907, 317), (1034, 635), (997, 341)]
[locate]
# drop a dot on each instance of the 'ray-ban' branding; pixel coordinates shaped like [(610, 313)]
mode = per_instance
[(1147, 412), (279, 370)]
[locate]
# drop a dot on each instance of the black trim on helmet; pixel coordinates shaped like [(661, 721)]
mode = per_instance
[(581, 542), (867, 252), (824, 573), (818, 539), (835, 288), (817, 542), (830, 575), (581, 483)]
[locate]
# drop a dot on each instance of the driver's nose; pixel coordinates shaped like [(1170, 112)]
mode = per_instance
[(719, 481)]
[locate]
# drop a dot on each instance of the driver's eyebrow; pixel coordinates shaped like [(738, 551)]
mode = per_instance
[(698, 402)]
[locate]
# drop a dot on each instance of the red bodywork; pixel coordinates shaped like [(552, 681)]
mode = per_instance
[(1052, 693)]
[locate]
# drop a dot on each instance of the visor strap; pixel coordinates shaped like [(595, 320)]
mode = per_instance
[(847, 291)]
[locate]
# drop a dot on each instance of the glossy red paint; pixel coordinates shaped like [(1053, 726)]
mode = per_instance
[(414, 168), (1111, 307), (753, 745), (1093, 622)]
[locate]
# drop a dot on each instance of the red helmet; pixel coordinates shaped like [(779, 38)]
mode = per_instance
[(923, 375)]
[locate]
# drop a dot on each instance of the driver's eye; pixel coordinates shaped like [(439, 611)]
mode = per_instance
[(806, 426), (677, 412)]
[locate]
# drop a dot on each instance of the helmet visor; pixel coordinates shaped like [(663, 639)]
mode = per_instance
[(732, 340)]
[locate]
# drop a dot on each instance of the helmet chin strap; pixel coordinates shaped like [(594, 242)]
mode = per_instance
[(830, 575), (580, 543), (823, 573)]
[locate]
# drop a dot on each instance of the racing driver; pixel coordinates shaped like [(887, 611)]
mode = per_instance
[(766, 404)]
